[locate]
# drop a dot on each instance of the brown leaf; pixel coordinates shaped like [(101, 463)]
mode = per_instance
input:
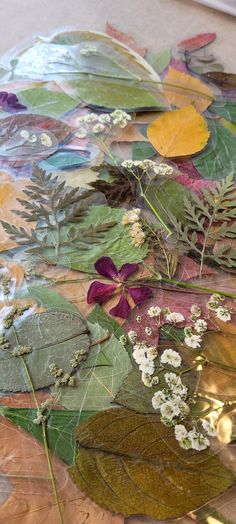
[(125, 39)]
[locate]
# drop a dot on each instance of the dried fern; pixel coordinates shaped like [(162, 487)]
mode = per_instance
[(56, 209), (213, 216)]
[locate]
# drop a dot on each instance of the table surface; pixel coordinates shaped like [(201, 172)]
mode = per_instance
[(154, 24)]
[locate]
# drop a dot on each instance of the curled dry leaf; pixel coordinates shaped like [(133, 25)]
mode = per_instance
[(179, 133), (182, 89)]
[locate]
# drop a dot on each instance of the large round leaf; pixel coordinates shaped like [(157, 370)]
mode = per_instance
[(54, 337), (131, 463)]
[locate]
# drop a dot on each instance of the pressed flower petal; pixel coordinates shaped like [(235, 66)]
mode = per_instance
[(126, 270), (105, 267), (99, 292), (139, 294), (122, 309)]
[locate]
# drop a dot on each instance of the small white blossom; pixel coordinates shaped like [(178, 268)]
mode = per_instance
[(180, 432), (158, 399), (98, 128), (32, 138), (147, 380), (154, 311), (170, 409), (209, 428), (148, 331), (132, 336), (131, 216), (175, 317), (214, 301), (193, 341), (127, 164), (139, 356), (198, 441), (195, 311), (200, 325), (139, 319), (223, 313), (147, 367), (24, 133), (163, 169), (90, 118), (46, 140), (185, 443), (151, 352), (104, 118), (169, 356)]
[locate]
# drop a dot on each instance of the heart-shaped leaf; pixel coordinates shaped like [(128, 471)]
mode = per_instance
[(179, 133), (132, 464), (54, 337)]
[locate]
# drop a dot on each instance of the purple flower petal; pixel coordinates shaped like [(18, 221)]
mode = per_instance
[(9, 102), (126, 270), (139, 294), (105, 267), (99, 292), (122, 309)]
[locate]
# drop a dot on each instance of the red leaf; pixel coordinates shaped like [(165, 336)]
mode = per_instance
[(188, 268), (125, 39), (196, 42), (193, 184)]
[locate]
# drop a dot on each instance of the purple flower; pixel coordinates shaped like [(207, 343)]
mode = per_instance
[(10, 103), (99, 292)]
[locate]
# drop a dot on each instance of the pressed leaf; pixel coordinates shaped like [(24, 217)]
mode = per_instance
[(160, 60), (219, 378), (111, 94), (124, 38), (196, 42), (179, 133), (168, 191), (49, 299), (96, 385), (54, 337), (132, 464), (61, 425), (45, 102), (65, 160), (225, 108), (219, 157), (182, 89), (222, 79)]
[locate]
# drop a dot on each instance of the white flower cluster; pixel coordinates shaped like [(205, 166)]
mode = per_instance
[(146, 165), (137, 234), (30, 137), (215, 305), (193, 334), (95, 124), (144, 355)]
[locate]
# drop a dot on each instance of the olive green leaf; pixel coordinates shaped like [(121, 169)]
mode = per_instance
[(45, 102), (54, 337), (130, 463), (49, 299), (96, 385), (60, 428)]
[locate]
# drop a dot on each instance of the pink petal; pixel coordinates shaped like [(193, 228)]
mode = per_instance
[(105, 267), (126, 270), (139, 294), (99, 292), (122, 309)]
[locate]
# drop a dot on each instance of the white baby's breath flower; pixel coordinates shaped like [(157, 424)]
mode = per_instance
[(32, 138), (131, 216), (24, 133), (154, 311), (180, 432), (158, 399), (98, 128), (147, 380), (185, 443), (151, 352), (132, 336), (175, 317), (223, 313), (209, 428), (90, 118), (193, 341), (163, 169), (170, 409), (148, 331), (127, 164), (198, 441), (139, 356), (169, 356), (195, 310), (104, 118), (200, 325), (147, 366), (45, 140)]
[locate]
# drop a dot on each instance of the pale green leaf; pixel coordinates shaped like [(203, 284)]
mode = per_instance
[(45, 102)]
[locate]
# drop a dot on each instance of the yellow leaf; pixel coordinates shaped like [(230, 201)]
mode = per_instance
[(182, 89), (178, 133)]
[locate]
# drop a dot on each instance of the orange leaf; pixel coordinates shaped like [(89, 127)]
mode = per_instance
[(178, 133), (182, 89), (10, 190)]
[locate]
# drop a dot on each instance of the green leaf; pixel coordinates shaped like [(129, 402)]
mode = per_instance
[(132, 464), (54, 337), (111, 94), (61, 426), (225, 108), (142, 150), (99, 316), (168, 191), (96, 387), (65, 160), (45, 102), (115, 243), (49, 299), (160, 60), (219, 157)]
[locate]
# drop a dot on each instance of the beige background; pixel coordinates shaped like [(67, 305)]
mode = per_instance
[(154, 23)]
